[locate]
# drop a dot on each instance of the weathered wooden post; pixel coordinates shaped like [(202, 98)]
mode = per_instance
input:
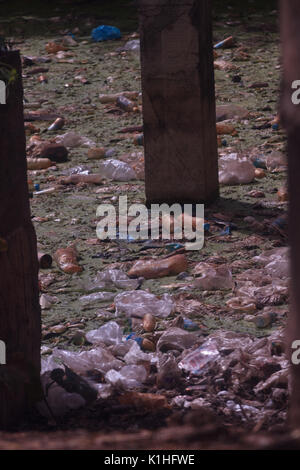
[(19, 303), (290, 114), (178, 101)]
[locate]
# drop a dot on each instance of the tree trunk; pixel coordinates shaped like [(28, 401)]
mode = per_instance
[(19, 297), (181, 160), (290, 115)]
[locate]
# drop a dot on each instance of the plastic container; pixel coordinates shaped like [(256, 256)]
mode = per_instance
[(152, 269)]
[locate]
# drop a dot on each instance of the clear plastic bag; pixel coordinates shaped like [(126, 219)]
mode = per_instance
[(116, 170), (80, 362), (138, 303), (112, 278), (72, 140)]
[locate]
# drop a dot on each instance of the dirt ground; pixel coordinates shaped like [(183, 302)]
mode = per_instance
[(247, 75)]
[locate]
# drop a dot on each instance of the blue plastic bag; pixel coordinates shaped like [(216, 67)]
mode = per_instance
[(104, 33)]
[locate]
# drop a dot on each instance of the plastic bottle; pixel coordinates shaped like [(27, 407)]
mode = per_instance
[(228, 42), (38, 163), (151, 269), (57, 124), (124, 103)]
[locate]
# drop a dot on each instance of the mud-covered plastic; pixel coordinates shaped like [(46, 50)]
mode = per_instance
[(212, 277)]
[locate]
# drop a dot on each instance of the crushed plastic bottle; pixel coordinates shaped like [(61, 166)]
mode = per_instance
[(116, 170), (109, 334), (66, 259), (130, 376), (152, 269), (72, 140), (169, 374), (234, 170), (132, 45), (275, 261), (80, 362), (213, 277), (110, 279), (138, 303), (97, 297), (136, 356), (242, 304), (276, 161), (221, 342), (176, 339)]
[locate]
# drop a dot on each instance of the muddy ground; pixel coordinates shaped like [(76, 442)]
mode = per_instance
[(251, 79)]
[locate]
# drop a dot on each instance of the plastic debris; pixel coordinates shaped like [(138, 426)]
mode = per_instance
[(228, 42), (169, 374), (132, 45), (234, 170), (72, 140), (105, 33), (116, 170), (112, 278), (110, 333), (139, 303), (66, 259), (151, 269), (80, 362), (97, 297), (38, 163), (176, 339), (213, 277), (130, 376)]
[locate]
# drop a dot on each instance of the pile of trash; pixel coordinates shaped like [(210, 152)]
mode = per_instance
[(232, 373)]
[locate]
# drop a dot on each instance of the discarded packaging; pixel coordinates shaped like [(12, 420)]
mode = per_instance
[(152, 269), (66, 258), (138, 303)]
